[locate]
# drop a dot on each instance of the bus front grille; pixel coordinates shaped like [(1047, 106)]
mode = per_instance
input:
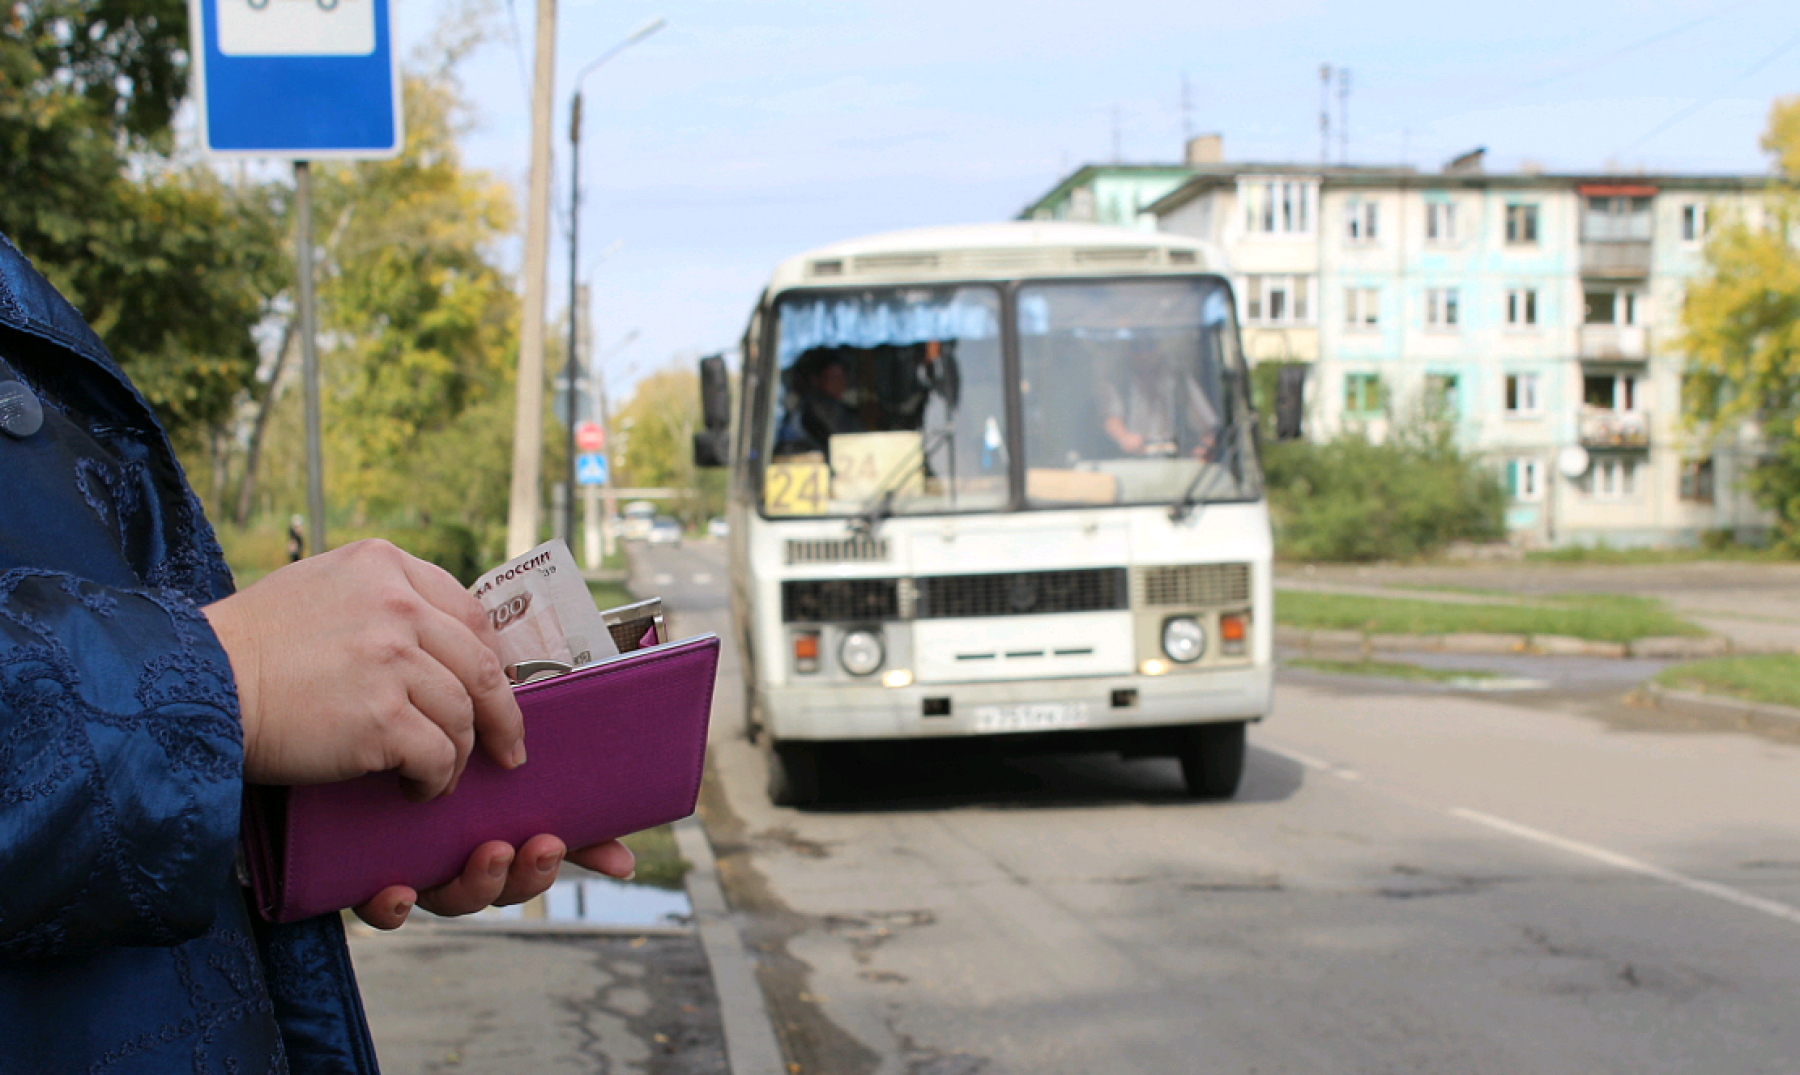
[(840, 601), (857, 548), (1022, 593), (1194, 585)]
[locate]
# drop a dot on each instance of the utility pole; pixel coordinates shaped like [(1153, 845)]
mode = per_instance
[(528, 415)]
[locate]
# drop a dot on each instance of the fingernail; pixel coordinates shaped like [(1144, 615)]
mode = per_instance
[(630, 876), (548, 863), (497, 868), (518, 754), (402, 909)]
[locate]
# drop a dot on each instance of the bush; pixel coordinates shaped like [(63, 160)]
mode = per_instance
[(1410, 496)]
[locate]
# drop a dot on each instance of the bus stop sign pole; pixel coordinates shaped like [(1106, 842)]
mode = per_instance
[(300, 81)]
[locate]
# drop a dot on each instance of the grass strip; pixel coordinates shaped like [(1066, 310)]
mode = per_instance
[(1392, 670), (1596, 617), (1774, 678), (659, 864), (610, 594)]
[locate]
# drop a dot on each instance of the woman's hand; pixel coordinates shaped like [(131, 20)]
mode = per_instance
[(365, 659), (496, 876)]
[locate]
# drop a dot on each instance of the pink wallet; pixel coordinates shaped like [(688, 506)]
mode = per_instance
[(615, 748)]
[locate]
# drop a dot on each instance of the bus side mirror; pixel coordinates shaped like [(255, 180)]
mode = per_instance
[(712, 444), (711, 450), (715, 395)]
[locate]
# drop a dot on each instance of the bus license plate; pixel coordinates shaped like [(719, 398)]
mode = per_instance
[(1031, 717)]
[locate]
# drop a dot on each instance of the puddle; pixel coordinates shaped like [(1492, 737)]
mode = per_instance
[(590, 901)]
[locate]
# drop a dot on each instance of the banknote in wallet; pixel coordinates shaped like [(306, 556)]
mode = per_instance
[(616, 746)]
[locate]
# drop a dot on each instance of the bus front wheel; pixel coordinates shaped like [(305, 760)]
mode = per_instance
[(794, 778), (1212, 759)]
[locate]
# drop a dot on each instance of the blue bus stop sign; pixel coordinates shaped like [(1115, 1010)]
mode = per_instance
[(296, 79)]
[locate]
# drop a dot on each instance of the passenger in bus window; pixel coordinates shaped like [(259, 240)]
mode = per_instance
[(1156, 407), (824, 409)]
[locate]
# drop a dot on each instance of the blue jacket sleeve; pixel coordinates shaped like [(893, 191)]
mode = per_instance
[(122, 757)]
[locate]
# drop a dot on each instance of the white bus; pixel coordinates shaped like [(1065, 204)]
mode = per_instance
[(996, 485)]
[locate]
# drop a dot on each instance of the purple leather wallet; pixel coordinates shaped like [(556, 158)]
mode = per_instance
[(615, 748)]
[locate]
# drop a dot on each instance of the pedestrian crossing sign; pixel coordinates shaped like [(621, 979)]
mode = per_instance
[(590, 468)]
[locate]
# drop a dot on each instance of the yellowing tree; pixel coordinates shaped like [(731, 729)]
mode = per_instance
[(1742, 330)]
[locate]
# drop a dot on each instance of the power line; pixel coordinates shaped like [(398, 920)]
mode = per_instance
[(1691, 109)]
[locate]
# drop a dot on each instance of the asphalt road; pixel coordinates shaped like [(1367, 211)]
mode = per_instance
[(1410, 881)]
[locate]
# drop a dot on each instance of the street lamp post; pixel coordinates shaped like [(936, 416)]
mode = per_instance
[(568, 514)]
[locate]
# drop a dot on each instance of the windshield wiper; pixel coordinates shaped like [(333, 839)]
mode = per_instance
[(881, 502), (1185, 503)]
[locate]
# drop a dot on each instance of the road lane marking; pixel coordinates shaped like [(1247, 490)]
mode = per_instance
[(1773, 908), (662, 578), (701, 578), (1295, 755)]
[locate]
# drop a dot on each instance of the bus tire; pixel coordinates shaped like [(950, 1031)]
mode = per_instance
[(1212, 759), (794, 777)]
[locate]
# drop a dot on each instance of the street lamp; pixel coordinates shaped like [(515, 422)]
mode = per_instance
[(648, 28)]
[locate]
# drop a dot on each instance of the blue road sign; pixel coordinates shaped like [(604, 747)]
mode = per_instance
[(296, 79), (590, 468)]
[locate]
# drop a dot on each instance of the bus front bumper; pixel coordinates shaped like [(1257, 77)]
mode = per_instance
[(1101, 703)]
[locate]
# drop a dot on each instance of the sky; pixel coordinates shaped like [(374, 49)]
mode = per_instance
[(747, 131)]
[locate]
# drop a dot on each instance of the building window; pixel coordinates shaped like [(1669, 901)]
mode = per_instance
[(1522, 223), (1277, 206), (1525, 479), (1363, 397), (1441, 307), (1611, 219), (1440, 222), (1522, 394), (1441, 400), (1610, 391), (1364, 217), (1610, 478), (1693, 223), (1277, 300), (1362, 307), (1697, 480), (1611, 307), (1521, 307)]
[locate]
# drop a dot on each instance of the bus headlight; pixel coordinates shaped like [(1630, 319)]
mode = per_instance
[(861, 652), (1183, 639)]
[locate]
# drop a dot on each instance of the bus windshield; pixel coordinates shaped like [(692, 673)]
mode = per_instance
[(1132, 393), (890, 396), (894, 400)]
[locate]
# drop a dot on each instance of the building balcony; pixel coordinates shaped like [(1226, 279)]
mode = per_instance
[(1615, 343), (1605, 428), (1616, 259)]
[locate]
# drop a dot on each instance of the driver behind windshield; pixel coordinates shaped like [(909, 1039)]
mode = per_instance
[(1155, 407)]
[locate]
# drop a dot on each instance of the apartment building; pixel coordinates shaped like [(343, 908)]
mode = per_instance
[(1540, 314)]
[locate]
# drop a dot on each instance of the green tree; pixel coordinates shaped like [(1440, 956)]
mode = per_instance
[(170, 265), (659, 423), (418, 324), (1742, 331)]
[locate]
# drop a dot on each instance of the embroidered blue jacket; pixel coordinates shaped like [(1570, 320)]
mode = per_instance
[(125, 941)]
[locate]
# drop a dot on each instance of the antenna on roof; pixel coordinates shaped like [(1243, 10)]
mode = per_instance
[(1324, 114), (1343, 74)]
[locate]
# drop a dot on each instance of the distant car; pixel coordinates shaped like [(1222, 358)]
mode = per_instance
[(664, 530), (717, 527)]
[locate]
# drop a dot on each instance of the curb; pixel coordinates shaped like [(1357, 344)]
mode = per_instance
[(1662, 648), (1715, 703), (750, 1047)]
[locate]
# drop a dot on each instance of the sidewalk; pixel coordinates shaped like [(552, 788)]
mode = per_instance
[(485, 996)]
